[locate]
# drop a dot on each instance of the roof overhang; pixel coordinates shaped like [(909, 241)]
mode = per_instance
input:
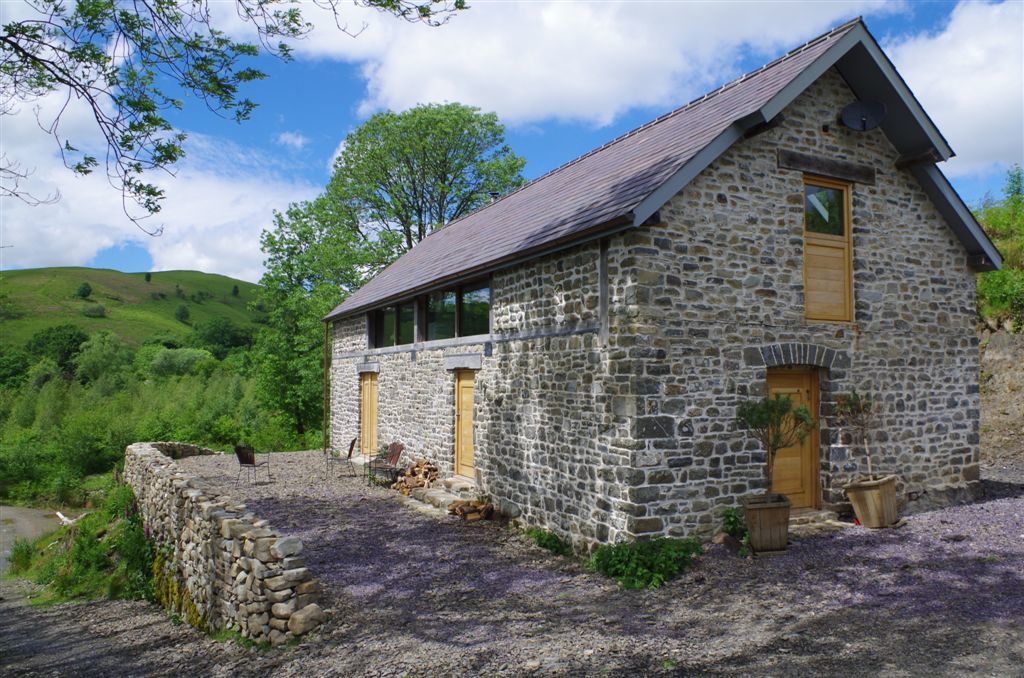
[(871, 76)]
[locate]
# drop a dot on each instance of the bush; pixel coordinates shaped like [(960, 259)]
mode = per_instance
[(60, 343), (733, 523), (179, 361), (96, 311), (550, 541), (644, 564), (148, 277), (13, 368), (83, 291), (181, 313), (103, 354), (106, 553), (20, 557)]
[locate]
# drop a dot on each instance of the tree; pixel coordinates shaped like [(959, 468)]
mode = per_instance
[(234, 290), (102, 354), (1001, 293), (405, 174), (60, 343), (83, 291), (132, 62), (400, 176), (315, 257), (148, 276), (181, 313), (219, 336), (775, 425)]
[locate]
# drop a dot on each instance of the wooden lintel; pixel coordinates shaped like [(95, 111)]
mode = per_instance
[(827, 167), (924, 157)]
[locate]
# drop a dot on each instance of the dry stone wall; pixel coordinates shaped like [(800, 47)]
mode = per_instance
[(219, 565)]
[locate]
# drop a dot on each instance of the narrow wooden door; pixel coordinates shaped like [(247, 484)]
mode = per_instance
[(368, 413), (464, 389), (797, 467)]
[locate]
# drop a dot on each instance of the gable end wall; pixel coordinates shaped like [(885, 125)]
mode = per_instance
[(722, 278)]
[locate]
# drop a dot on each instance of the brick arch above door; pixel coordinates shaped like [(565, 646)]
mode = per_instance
[(783, 354)]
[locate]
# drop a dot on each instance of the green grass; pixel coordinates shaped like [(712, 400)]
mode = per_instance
[(42, 297), (105, 554)]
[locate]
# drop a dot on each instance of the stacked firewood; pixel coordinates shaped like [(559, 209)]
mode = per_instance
[(420, 474), (471, 510)]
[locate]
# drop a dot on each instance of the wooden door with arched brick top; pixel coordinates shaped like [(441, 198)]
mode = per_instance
[(797, 467)]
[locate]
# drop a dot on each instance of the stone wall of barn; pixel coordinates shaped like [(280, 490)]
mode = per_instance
[(218, 565), (723, 290), (552, 444), (628, 432)]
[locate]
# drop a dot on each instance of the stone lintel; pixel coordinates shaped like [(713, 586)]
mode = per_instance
[(465, 361), (367, 367)]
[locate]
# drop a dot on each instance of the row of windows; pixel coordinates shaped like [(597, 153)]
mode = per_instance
[(466, 311), (459, 312)]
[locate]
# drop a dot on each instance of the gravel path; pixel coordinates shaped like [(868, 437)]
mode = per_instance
[(419, 594)]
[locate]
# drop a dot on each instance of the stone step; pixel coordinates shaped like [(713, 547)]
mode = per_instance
[(435, 496), (462, 488), (810, 516)]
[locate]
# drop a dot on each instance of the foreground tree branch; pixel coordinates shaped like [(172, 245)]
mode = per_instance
[(132, 62)]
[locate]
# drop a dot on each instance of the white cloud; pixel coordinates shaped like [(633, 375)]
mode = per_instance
[(221, 198), (568, 61), (293, 140), (970, 78)]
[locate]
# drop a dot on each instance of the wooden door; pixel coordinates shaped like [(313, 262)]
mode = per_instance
[(797, 467), (464, 389), (368, 413)]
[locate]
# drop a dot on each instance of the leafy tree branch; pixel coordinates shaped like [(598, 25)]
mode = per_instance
[(132, 62)]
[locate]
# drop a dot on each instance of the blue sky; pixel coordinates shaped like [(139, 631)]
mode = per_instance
[(564, 77)]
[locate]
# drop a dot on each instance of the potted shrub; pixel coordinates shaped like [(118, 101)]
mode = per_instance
[(873, 497), (775, 424)]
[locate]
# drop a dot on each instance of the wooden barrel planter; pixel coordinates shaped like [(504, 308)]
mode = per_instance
[(767, 517), (874, 501)]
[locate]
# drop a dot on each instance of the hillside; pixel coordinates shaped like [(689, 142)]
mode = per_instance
[(1002, 399), (33, 299)]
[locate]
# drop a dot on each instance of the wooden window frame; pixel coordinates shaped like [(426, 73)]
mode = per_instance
[(825, 239)]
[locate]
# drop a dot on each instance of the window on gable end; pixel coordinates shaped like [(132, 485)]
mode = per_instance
[(828, 251)]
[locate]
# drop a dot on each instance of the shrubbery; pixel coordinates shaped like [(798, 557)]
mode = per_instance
[(643, 564), (106, 553), (1001, 293), (59, 426)]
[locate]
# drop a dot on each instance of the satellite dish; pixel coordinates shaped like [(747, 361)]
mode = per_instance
[(863, 115)]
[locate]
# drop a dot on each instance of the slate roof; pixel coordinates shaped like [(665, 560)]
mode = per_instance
[(592, 193)]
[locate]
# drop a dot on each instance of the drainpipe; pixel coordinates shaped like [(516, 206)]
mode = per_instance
[(326, 386)]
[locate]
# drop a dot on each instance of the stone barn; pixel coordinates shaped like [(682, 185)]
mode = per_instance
[(577, 348)]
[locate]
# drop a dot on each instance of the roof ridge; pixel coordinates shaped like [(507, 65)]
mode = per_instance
[(665, 116)]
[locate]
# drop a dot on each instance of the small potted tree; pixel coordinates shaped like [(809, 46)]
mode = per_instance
[(775, 424), (873, 498)]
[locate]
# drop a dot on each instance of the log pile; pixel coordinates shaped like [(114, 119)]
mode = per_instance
[(420, 474), (471, 510)]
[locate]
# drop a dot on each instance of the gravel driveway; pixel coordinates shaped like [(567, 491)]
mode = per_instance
[(419, 594)]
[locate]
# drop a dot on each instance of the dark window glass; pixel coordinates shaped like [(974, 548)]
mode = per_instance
[(476, 311), (386, 327), (406, 324), (441, 315), (824, 210)]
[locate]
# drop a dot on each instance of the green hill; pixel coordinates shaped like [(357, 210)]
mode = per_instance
[(34, 299)]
